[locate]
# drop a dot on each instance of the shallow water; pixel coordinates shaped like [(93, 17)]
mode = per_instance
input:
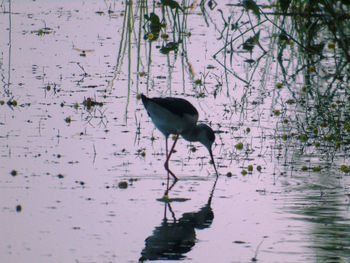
[(65, 203)]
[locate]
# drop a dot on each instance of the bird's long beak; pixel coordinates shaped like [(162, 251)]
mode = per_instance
[(212, 159)]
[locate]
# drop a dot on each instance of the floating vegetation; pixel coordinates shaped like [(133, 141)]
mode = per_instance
[(250, 168), (345, 168), (229, 174), (68, 120), (81, 183), (284, 137), (317, 169), (276, 112), (43, 31), (141, 152), (239, 146), (18, 208), (166, 199), (123, 184), (12, 103), (90, 103)]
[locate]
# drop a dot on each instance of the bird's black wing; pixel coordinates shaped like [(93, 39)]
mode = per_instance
[(176, 106)]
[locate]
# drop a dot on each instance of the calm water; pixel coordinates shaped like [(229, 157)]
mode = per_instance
[(62, 162)]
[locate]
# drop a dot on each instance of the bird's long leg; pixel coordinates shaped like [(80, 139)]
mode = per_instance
[(172, 212), (166, 150), (166, 164), (169, 188)]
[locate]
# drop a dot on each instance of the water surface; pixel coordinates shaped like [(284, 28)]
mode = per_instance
[(62, 161)]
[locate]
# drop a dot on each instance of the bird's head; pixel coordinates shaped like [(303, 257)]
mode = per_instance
[(206, 135)]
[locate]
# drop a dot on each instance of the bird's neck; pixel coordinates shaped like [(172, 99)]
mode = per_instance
[(192, 135)]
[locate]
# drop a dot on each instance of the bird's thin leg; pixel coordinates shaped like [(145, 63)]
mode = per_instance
[(165, 209), (172, 212), (166, 150), (166, 164), (166, 146), (169, 188)]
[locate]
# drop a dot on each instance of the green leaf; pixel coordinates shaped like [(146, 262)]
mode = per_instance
[(251, 42), (171, 46), (284, 4), (172, 4), (155, 25), (251, 5)]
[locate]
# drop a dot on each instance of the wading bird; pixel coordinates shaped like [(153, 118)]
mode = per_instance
[(178, 116)]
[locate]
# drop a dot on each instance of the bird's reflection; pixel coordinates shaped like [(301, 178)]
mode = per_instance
[(175, 237)]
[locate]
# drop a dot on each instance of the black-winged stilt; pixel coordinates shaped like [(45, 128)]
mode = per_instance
[(178, 116)]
